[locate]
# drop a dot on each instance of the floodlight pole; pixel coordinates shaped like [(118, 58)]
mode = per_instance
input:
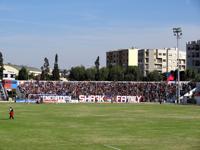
[(178, 32)]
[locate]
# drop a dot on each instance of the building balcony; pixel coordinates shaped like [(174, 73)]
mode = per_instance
[(158, 62)]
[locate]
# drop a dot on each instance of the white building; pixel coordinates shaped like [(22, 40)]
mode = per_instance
[(162, 60), (8, 75), (11, 71)]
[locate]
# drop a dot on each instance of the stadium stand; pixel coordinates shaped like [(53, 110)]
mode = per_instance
[(150, 91)]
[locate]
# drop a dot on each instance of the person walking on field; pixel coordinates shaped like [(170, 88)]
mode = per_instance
[(11, 113)]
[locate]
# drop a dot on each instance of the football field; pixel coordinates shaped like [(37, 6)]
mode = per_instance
[(100, 127)]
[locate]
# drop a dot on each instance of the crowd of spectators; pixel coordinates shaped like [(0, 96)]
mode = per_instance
[(150, 91)]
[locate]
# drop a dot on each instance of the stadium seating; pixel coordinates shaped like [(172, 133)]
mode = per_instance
[(150, 91)]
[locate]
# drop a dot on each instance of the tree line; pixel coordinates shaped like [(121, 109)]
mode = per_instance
[(130, 73), (133, 73), (95, 73)]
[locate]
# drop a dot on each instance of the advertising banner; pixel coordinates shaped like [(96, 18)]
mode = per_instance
[(128, 99), (25, 101), (94, 99), (109, 99), (55, 99)]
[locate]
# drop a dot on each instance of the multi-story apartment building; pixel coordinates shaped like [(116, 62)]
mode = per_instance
[(193, 54), (148, 60), (122, 57), (172, 60), (162, 60)]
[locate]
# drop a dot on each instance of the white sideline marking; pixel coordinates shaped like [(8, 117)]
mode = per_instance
[(111, 147)]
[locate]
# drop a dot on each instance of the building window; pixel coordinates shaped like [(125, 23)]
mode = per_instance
[(5, 75), (158, 66), (159, 60), (146, 66), (197, 47), (192, 47), (192, 54), (147, 54), (193, 63), (197, 63), (12, 76)]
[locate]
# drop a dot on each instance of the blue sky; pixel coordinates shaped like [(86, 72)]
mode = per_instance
[(80, 30)]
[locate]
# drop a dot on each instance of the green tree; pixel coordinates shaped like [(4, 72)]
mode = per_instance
[(104, 72), (97, 64), (116, 73), (183, 76), (45, 70), (23, 74), (77, 73), (133, 73), (1, 66), (31, 76), (154, 76), (90, 74), (188, 75), (197, 78), (56, 71)]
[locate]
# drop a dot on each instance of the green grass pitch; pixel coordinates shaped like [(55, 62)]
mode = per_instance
[(100, 127)]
